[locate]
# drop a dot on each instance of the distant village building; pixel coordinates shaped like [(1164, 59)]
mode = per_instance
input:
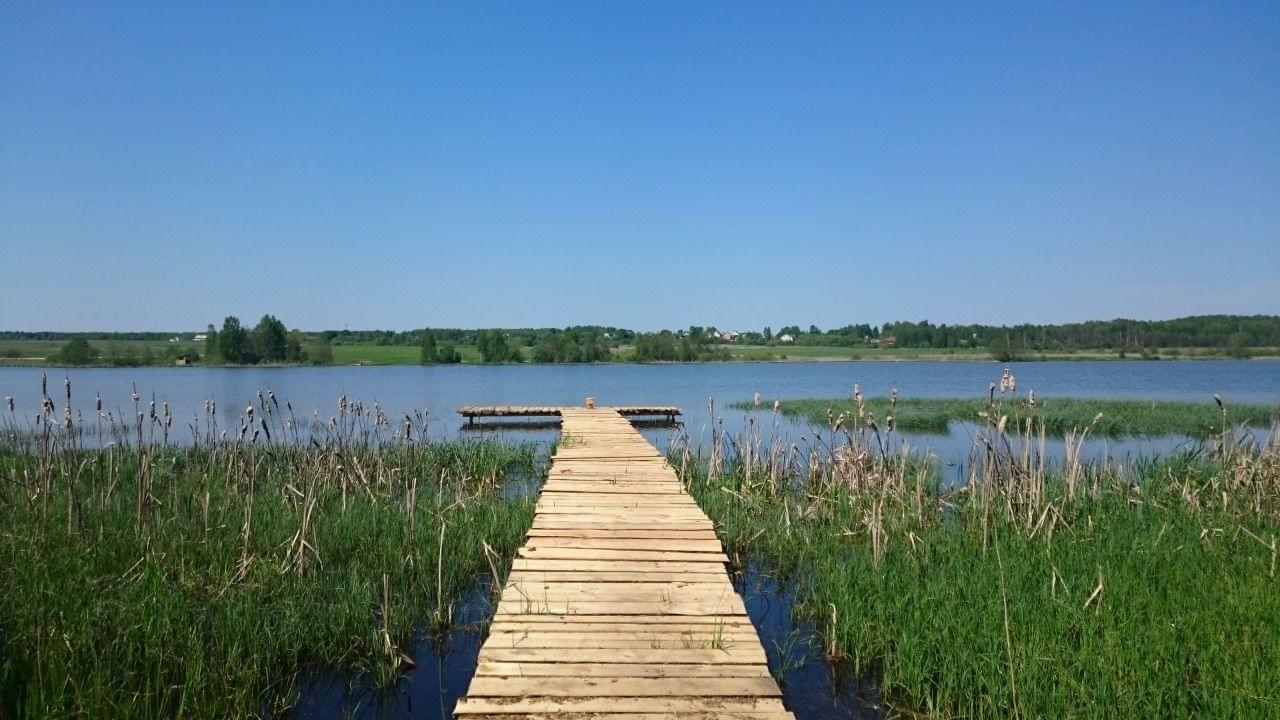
[(199, 337), (184, 359), (786, 339), (728, 335)]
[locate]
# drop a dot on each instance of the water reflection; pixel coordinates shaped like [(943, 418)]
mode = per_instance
[(445, 665), (812, 687)]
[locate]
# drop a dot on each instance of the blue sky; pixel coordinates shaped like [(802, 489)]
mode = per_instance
[(641, 164)]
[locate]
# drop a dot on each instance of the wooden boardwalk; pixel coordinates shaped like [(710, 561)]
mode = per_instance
[(619, 604)]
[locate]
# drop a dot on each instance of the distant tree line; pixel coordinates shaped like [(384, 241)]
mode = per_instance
[(270, 342), (118, 336), (666, 346), (79, 351), (1206, 331), (522, 337)]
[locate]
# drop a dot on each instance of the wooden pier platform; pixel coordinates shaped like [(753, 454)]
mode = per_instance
[(619, 604), (471, 412)]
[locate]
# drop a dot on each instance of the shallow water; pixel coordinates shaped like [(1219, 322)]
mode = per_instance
[(812, 687), (445, 664), (437, 391)]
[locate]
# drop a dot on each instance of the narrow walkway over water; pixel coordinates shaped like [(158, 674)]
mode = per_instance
[(619, 603)]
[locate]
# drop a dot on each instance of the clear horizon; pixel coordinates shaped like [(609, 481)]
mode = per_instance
[(163, 166), (250, 321)]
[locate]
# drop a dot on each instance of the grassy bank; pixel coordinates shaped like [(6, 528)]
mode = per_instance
[(390, 355), (1057, 415), (1078, 591), (147, 580)]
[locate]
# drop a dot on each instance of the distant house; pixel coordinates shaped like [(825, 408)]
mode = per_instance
[(888, 341), (185, 359), (786, 339), (727, 335), (199, 337)]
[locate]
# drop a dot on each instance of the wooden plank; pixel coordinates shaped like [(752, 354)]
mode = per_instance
[(708, 586), (573, 621), (544, 564), (598, 687), (683, 715), (656, 576), (665, 593), (676, 608), (562, 523), (647, 500), (570, 642), (628, 515), (667, 625), (668, 656), (624, 543), (555, 553), (473, 706), (622, 533), (571, 669)]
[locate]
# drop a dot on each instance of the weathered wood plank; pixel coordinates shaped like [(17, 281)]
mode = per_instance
[(599, 687), (636, 670), (553, 553), (718, 705), (620, 533)]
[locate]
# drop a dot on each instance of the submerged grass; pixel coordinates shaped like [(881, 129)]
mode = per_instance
[(1077, 590), (1115, 418), (144, 579)]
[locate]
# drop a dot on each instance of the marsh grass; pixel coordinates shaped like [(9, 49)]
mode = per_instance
[(142, 578), (1034, 589), (1059, 416)]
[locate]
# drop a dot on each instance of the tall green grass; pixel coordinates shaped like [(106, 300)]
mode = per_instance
[(1058, 415), (155, 580), (1035, 590)]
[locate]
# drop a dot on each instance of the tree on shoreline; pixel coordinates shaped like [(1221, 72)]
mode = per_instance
[(269, 340), (77, 351), (429, 352), (233, 343)]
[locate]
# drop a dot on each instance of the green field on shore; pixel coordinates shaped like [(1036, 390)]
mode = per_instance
[(160, 352)]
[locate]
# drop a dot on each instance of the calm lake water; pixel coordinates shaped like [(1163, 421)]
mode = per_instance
[(438, 391)]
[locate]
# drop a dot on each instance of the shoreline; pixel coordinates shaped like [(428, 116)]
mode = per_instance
[(940, 358)]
